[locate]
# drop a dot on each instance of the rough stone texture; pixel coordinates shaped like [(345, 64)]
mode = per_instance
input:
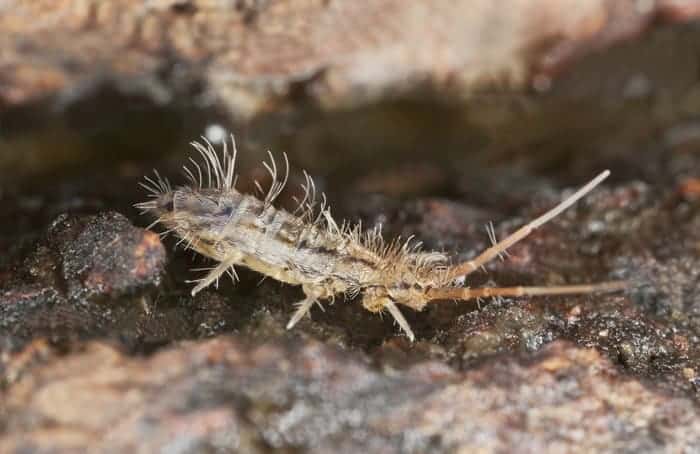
[(104, 370), (255, 52), (221, 395), (60, 288)]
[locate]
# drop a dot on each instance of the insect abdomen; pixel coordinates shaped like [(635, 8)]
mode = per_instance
[(269, 240)]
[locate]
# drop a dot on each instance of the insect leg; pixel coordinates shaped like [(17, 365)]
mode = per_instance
[(398, 316), (215, 274), (472, 293), (465, 268), (303, 307)]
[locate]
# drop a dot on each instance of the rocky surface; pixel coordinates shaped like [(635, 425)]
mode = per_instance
[(224, 395), (102, 349), (259, 55), (63, 286)]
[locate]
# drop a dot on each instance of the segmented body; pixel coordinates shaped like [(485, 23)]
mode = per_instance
[(325, 258), (308, 248)]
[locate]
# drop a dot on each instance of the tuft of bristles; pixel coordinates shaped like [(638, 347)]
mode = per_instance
[(216, 171)]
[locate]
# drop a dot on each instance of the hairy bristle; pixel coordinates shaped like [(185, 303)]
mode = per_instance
[(220, 169), (215, 170), (308, 247)]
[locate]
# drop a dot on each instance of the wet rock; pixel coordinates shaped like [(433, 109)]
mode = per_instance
[(228, 395)]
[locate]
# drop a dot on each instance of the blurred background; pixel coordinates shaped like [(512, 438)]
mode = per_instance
[(456, 99)]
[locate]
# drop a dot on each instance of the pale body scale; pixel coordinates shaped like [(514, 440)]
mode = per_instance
[(310, 249)]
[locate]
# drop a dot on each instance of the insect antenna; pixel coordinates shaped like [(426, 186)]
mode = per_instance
[(465, 294), (468, 267)]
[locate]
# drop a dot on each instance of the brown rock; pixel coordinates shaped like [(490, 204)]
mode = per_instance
[(59, 287), (226, 395), (255, 55)]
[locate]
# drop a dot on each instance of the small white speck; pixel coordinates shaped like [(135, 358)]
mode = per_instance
[(215, 133), (596, 226)]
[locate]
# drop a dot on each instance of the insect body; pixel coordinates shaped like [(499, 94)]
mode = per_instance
[(308, 248)]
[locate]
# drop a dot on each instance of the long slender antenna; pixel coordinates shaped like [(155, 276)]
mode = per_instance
[(464, 294), (468, 267)]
